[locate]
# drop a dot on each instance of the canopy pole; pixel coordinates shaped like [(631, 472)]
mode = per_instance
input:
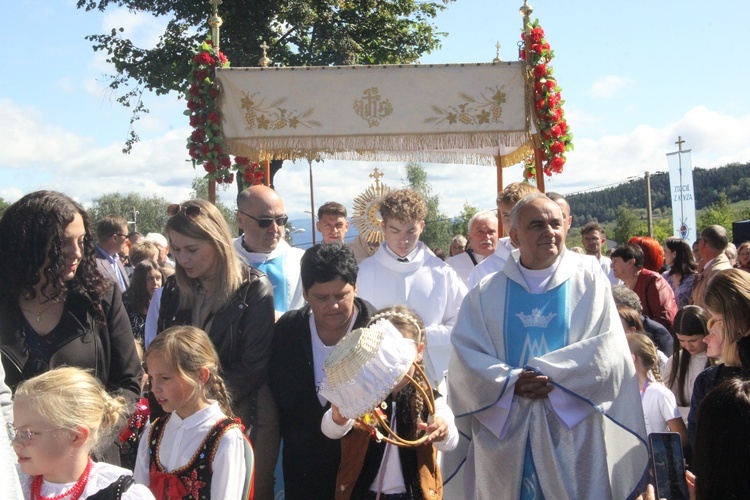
[(499, 168), (267, 172), (215, 23)]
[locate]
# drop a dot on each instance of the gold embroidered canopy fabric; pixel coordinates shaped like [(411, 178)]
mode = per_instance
[(457, 113)]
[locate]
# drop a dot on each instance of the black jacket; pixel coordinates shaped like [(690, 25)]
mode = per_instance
[(241, 332), (310, 459), (104, 346)]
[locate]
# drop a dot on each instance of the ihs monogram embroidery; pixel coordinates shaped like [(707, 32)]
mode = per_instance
[(372, 108)]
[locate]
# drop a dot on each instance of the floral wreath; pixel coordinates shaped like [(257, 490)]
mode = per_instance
[(206, 143), (553, 128)]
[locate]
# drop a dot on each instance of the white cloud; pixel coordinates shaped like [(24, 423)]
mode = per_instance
[(142, 28), (610, 85)]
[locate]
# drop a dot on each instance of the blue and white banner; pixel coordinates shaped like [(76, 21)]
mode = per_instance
[(683, 195)]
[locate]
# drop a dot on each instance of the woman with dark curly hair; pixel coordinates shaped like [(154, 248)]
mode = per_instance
[(147, 277), (682, 269), (55, 307)]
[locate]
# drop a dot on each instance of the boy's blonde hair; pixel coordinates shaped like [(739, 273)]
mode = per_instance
[(70, 397)]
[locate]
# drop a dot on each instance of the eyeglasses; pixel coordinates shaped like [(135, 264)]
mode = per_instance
[(265, 222), (24, 435), (712, 322), (191, 211), (121, 234)]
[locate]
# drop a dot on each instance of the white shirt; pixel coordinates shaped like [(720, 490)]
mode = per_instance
[(659, 406), (697, 365), (101, 475), (493, 263), (320, 352), (426, 284), (463, 265), (182, 438)]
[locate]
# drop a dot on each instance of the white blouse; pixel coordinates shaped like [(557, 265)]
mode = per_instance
[(182, 438), (101, 476)]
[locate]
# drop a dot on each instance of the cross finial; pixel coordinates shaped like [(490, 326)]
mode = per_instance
[(497, 56), (376, 174), (264, 61), (679, 142)]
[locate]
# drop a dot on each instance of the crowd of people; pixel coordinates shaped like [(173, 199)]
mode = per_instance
[(196, 364)]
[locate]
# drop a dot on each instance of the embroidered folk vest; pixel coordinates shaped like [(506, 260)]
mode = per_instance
[(193, 480)]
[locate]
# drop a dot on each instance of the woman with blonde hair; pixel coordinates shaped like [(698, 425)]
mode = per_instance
[(728, 303), (60, 417), (212, 289)]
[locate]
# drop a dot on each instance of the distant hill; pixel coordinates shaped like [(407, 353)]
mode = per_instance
[(732, 180)]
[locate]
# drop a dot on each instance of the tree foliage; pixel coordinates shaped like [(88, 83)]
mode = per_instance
[(628, 224), (3, 206), (733, 180), (460, 225), (298, 32), (718, 213), (200, 191), (144, 214), (437, 225)]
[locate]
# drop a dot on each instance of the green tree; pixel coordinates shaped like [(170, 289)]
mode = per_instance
[(298, 32), (145, 214), (460, 225), (200, 191), (627, 224), (3, 206), (437, 229), (720, 213)]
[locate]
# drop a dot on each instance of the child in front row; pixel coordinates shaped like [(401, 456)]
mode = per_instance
[(197, 449), (659, 405), (59, 417), (370, 469)]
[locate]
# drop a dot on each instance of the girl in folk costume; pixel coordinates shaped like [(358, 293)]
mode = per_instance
[(60, 416), (371, 468), (197, 450), (659, 406)]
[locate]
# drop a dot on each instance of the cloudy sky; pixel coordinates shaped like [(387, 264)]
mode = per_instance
[(635, 76)]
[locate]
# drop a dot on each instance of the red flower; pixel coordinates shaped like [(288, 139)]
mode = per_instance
[(222, 58), (205, 149), (200, 74), (563, 126), (242, 160), (536, 47), (193, 152), (537, 34), (204, 58), (550, 84), (553, 100), (556, 165), (538, 88), (195, 90), (214, 118), (540, 70), (540, 104), (225, 162), (214, 93), (196, 120), (556, 130), (198, 135), (557, 148), (209, 167), (192, 105)]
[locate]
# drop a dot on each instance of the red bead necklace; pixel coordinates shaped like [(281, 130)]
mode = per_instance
[(73, 493)]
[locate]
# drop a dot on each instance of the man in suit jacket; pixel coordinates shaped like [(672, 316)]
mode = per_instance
[(112, 233), (712, 243), (301, 343)]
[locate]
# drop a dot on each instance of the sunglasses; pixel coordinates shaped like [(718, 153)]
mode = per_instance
[(191, 211), (24, 436), (265, 222)]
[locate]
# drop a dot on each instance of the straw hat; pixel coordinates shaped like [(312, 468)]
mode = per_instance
[(365, 366)]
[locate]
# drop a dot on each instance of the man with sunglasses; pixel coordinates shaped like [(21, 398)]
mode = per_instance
[(112, 233), (261, 217)]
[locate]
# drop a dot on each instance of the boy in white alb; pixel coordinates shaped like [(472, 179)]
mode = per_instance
[(404, 271)]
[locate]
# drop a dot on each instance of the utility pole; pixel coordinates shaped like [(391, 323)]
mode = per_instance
[(649, 215)]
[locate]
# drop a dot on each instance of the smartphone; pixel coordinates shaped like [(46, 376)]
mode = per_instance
[(669, 466)]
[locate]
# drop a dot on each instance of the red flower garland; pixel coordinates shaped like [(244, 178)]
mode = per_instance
[(206, 144), (553, 128)]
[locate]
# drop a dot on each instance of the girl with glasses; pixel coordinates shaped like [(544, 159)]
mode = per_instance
[(728, 303), (56, 308), (212, 289), (60, 417)]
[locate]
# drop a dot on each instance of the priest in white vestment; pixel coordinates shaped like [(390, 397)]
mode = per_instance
[(541, 379), (482, 244)]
